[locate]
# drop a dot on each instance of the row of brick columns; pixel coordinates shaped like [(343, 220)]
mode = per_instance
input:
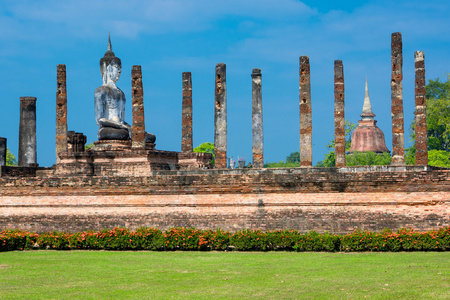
[(398, 138), (220, 117), (220, 111)]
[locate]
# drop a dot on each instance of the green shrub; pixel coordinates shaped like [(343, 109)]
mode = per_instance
[(191, 239), (178, 238), (214, 240)]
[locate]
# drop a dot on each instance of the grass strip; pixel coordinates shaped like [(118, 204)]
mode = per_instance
[(206, 275)]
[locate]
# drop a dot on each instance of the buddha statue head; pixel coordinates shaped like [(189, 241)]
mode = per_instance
[(110, 65)]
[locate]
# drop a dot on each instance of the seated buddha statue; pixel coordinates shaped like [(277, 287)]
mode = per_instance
[(110, 100)]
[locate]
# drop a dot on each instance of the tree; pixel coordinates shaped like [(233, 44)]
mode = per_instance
[(294, 157), (436, 89), (10, 158), (368, 158), (438, 123), (330, 157), (439, 158), (206, 148), (292, 161)]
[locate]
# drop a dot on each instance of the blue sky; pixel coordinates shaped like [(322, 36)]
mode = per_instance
[(168, 37)]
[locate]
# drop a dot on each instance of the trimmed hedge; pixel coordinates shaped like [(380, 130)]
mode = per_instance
[(191, 239)]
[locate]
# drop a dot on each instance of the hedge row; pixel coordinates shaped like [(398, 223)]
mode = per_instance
[(191, 239)]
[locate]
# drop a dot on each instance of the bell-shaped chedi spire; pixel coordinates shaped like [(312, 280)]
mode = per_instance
[(367, 113), (367, 136)]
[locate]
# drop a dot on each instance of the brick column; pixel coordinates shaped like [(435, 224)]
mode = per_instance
[(137, 100), (421, 111), (220, 116), (27, 132), (257, 120), (61, 111), (398, 132), (186, 122), (305, 114), (339, 113), (3, 151)]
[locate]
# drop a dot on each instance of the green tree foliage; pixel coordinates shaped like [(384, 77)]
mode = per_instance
[(294, 157), (436, 89), (330, 157), (439, 158), (10, 158), (292, 161), (328, 161), (438, 124), (368, 158), (206, 148)]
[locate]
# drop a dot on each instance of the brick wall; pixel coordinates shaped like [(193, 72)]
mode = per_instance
[(324, 199)]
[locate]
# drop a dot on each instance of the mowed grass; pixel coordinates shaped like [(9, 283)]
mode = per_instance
[(212, 275)]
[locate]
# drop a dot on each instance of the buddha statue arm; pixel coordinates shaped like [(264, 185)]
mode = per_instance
[(122, 107), (99, 106)]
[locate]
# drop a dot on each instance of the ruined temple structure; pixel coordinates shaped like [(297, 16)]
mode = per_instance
[(123, 180), (121, 149), (367, 136)]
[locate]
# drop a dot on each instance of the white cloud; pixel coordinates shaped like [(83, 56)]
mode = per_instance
[(134, 17)]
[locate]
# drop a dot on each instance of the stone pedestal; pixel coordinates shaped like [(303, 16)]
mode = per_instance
[(115, 159), (111, 145)]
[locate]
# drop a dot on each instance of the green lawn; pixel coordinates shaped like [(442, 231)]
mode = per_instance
[(210, 275)]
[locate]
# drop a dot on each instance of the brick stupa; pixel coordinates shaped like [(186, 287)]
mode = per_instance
[(367, 136)]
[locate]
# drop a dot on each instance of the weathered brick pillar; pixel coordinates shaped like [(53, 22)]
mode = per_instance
[(257, 120), (339, 113), (398, 131), (137, 96), (305, 113), (186, 122), (27, 132), (61, 111), (220, 116), (421, 111), (3, 151)]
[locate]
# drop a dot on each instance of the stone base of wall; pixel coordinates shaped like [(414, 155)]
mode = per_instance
[(337, 200), (333, 212)]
